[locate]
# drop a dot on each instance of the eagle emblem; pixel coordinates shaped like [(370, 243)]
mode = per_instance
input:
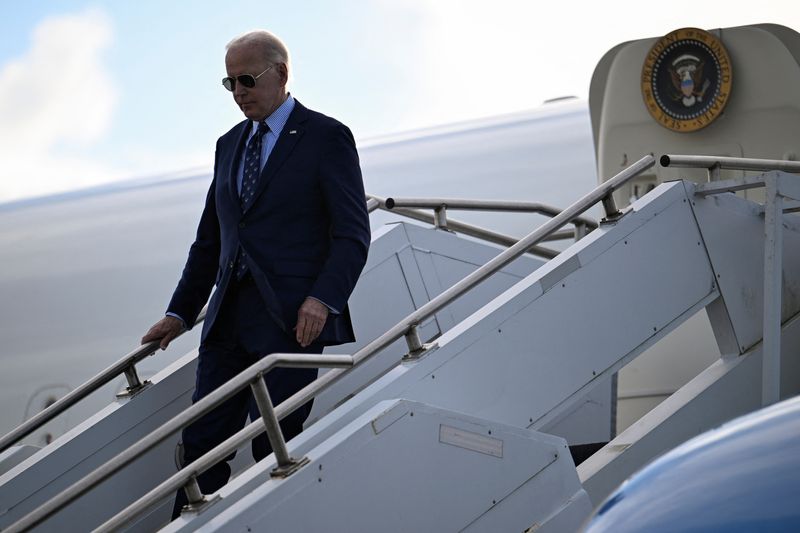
[(686, 79)]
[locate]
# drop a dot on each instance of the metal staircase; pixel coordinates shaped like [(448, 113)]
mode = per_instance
[(450, 436), (407, 265)]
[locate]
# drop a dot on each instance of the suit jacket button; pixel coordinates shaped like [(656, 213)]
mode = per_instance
[(242, 224), (230, 264)]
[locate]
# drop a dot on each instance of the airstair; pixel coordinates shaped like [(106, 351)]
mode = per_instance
[(450, 430)]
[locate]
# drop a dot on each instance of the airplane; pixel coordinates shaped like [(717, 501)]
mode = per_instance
[(551, 150), (741, 476)]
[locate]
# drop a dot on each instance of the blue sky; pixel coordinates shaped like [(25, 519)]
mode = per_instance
[(94, 91)]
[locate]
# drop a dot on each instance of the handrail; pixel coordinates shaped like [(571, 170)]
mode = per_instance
[(467, 204), (406, 327), (714, 164), (126, 365), (468, 229), (250, 376), (372, 203)]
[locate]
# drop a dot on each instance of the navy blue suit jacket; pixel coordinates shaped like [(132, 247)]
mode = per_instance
[(306, 234)]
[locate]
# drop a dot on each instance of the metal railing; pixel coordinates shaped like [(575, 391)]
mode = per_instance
[(441, 205), (777, 189), (126, 366), (187, 477), (714, 164), (376, 202), (405, 328)]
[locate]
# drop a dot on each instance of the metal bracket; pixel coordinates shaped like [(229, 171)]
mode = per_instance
[(202, 505), (416, 348), (135, 385), (130, 392), (197, 500), (422, 351), (611, 211), (289, 469)]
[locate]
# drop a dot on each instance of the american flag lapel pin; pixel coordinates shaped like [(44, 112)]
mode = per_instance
[(292, 132)]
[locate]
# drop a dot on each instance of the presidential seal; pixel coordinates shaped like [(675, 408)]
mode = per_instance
[(686, 79)]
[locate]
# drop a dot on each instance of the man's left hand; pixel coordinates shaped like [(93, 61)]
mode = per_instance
[(310, 319)]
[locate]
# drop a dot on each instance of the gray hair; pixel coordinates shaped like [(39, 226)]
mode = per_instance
[(272, 47)]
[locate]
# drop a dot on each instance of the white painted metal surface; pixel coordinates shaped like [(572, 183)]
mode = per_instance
[(728, 388), (426, 262), (733, 232), (760, 120), (406, 466)]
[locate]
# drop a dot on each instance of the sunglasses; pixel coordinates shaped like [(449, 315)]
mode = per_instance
[(247, 80)]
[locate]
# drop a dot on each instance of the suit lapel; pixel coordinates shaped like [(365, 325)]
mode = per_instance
[(286, 142), (234, 167)]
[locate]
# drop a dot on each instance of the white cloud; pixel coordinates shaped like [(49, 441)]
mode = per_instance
[(57, 97), (483, 58)]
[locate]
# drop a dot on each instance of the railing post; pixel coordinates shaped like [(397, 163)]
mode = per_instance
[(413, 341), (440, 217), (610, 207), (286, 465), (773, 266), (714, 172), (580, 231), (134, 383), (194, 495)]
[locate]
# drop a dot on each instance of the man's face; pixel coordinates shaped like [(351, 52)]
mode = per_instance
[(258, 102)]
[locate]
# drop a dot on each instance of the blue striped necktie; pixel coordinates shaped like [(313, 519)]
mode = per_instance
[(250, 174), (252, 167)]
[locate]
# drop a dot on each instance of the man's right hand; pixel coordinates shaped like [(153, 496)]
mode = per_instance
[(164, 330)]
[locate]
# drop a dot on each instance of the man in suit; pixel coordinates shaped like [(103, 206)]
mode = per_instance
[(284, 235)]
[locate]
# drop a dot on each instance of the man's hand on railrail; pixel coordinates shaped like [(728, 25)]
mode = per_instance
[(164, 330)]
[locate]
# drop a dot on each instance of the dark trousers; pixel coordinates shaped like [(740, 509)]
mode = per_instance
[(242, 333)]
